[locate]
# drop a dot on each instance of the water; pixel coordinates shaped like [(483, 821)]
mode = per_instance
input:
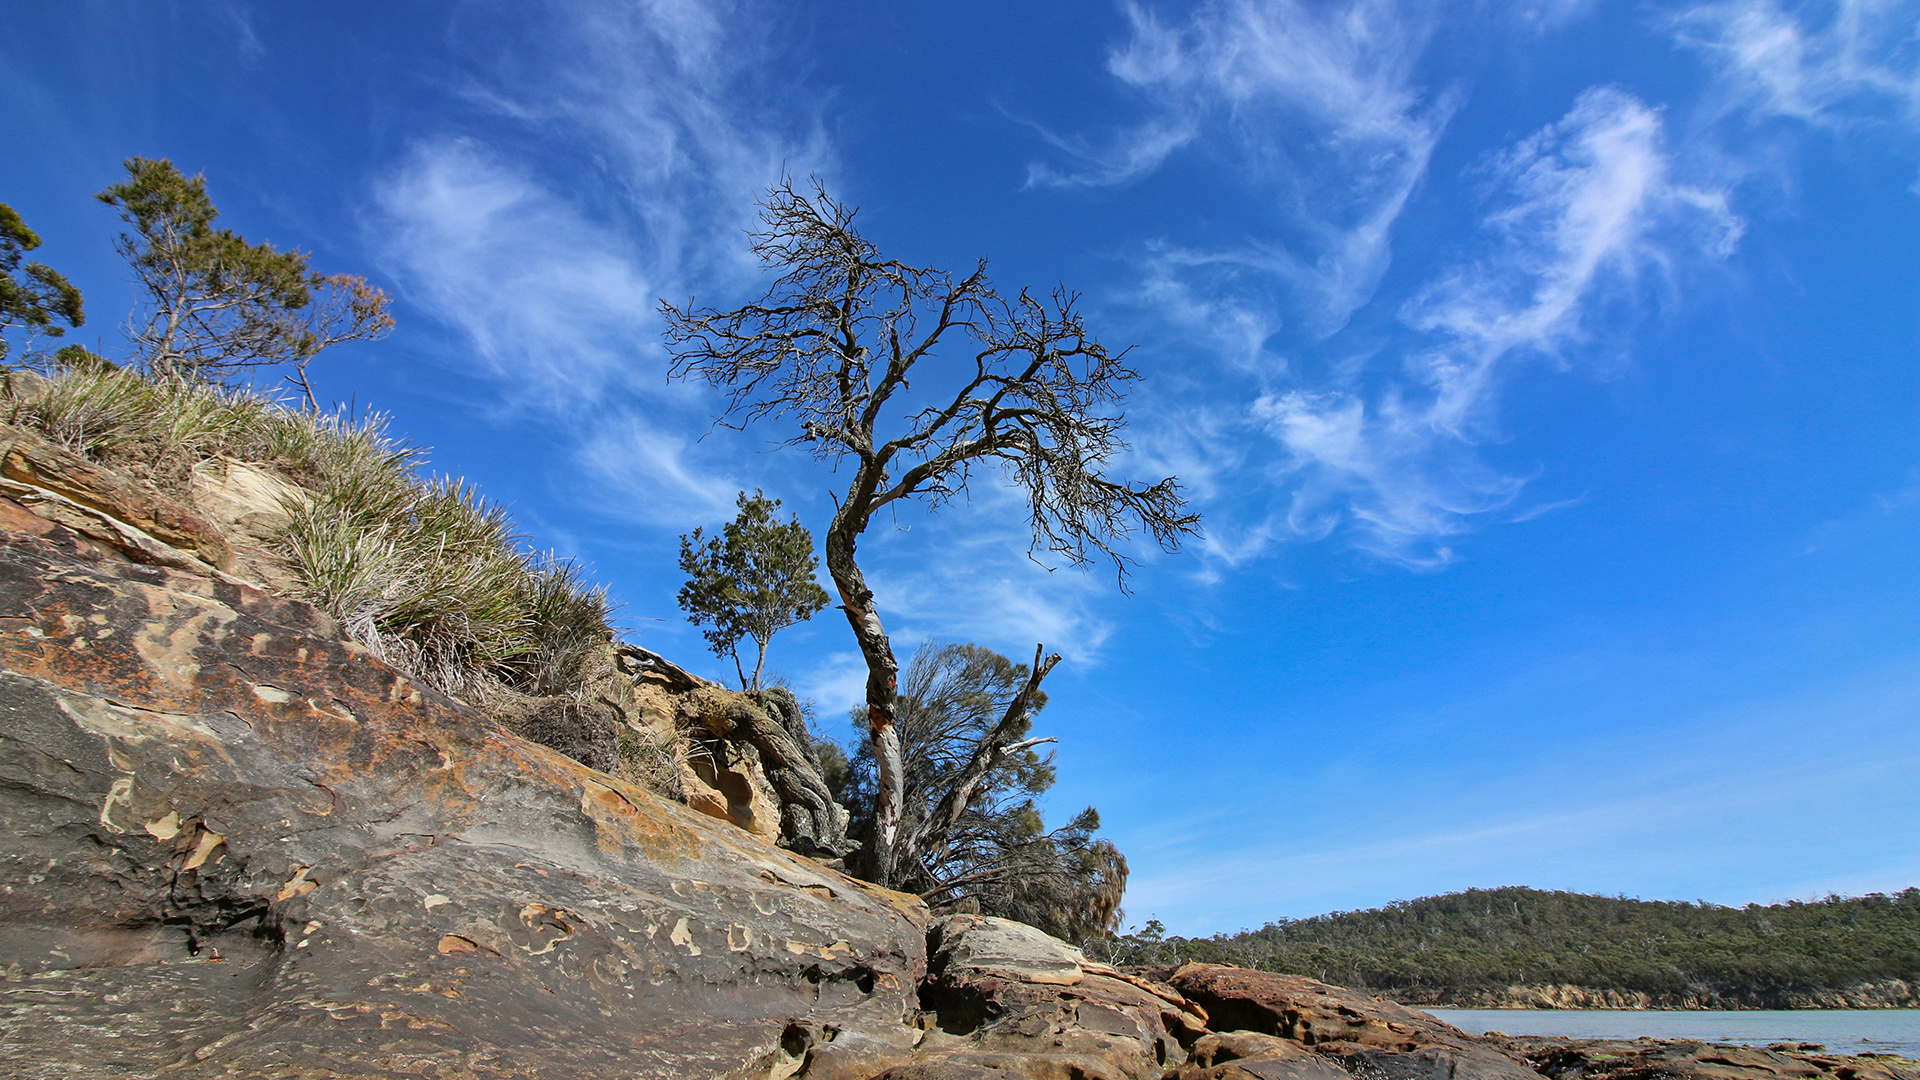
[(1843, 1031)]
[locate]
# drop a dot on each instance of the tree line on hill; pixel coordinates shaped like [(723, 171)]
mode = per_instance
[(1441, 949)]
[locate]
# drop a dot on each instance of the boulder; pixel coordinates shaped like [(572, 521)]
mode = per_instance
[(1003, 996), (1362, 1034), (1250, 1055), (238, 845), (1688, 1059)]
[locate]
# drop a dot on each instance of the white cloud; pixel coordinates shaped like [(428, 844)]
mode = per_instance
[(836, 684), (1585, 210), (624, 150), (680, 94), (1823, 63), (1591, 204), (657, 472), (1125, 157), (1326, 123), (991, 594), (1382, 470), (551, 302)]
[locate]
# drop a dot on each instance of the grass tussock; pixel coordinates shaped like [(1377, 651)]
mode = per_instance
[(424, 571)]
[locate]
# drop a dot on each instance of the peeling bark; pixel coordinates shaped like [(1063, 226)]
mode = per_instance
[(883, 670)]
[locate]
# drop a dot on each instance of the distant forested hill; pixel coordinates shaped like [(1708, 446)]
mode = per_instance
[(1515, 946)]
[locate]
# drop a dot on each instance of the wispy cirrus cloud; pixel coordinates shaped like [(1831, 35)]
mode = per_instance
[(1587, 207), (619, 156), (1829, 64), (622, 154), (547, 298), (1587, 218), (1320, 113), (967, 575), (657, 472)]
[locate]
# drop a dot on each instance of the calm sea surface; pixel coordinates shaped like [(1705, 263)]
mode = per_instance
[(1844, 1031)]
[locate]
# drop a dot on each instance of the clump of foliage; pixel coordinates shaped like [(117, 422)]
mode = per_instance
[(993, 850), (1493, 938), (752, 580), (214, 305), (36, 297)]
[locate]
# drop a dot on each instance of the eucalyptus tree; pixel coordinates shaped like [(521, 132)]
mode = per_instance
[(1028, 394), (34, 297), (211, 303), (970, 829)]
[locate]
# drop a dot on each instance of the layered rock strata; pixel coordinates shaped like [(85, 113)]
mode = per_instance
[(1003, 996), (1880, 994), (238, 845)]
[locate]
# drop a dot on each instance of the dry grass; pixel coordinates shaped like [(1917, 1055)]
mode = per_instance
[(424, 571)]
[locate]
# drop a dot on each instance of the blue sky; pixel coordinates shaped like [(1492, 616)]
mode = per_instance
[(1548, 375)]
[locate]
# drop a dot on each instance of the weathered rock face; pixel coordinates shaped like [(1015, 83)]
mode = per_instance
[(236, 845), (224, 518), (108, 508), (1363, 1035), (1685, 1059), (1002, 995)]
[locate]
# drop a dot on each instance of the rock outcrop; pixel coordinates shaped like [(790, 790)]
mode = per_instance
[(1687, 1059), (1249, 1055), (1000, 995), (1364, 1035), (237, 845)]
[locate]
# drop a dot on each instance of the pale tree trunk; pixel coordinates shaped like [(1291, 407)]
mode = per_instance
[(882, 687)]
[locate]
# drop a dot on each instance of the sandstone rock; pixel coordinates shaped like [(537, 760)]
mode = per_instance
[(250, 505), (237, 845), (976, 947), (944, 1070), (1250, 1055), (1872, 994), (247, 502), (1000, 995), (1227, 1046), (1363, 1035), (1686, 1059), (107, 506)]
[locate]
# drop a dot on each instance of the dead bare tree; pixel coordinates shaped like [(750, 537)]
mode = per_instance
[(832, 344)]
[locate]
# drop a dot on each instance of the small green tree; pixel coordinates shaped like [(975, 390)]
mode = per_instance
[(40, 298), (213, 304), (753, 580)]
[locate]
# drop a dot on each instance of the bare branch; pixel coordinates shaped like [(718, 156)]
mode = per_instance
[(832, 347)]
